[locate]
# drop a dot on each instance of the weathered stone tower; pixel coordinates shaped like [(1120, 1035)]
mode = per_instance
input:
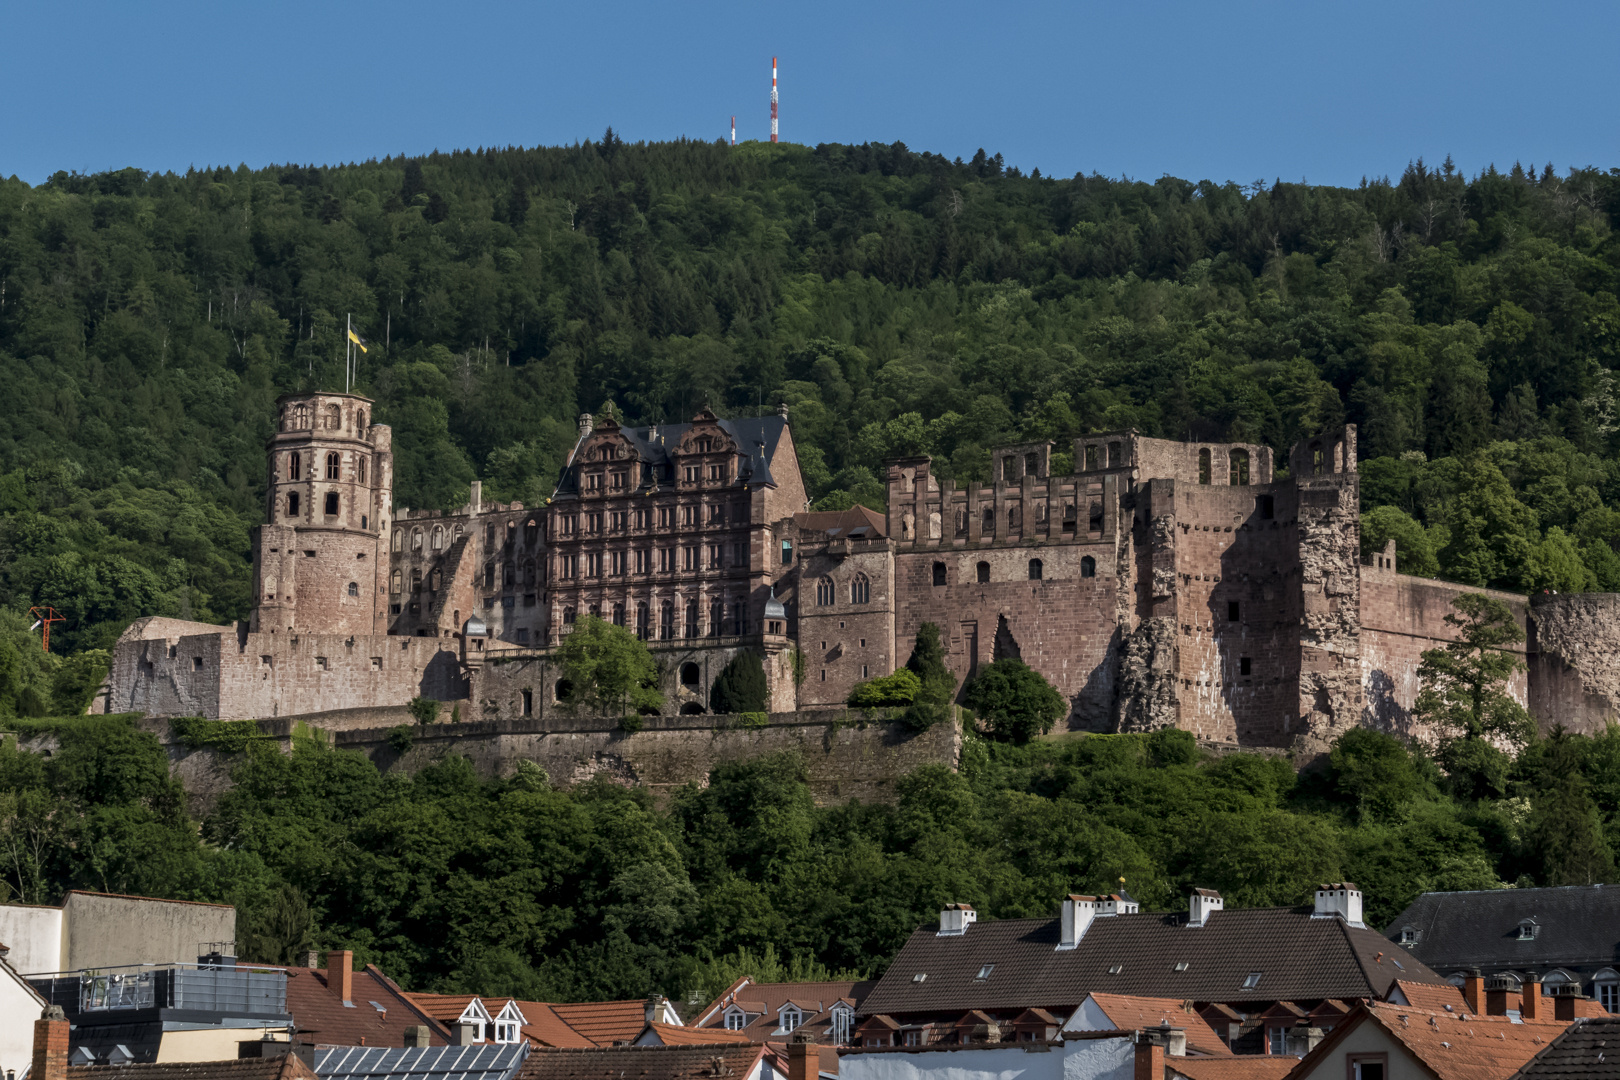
[(319, 563)]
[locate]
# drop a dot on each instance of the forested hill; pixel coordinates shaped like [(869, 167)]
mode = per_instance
[(897, 301)]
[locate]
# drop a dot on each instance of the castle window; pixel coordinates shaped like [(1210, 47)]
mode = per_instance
[(1035, 569), (739, 624), (395, 581), (642, 622), (416, 539), (1091, 459), (666, 621), (989, 528), (825, 594), (593, 481), (961, 523), (295, 465), (1238, 467), (1009, 469), (617, 521), (618, 614), (570, 616), (416, 581), (643, 558), (983, 572), (716, 561), (528, 701), (939, 573), (436, 543), (593, 564), (354, 588), (1014, 518), (689, 474), (620, 480), (1032, 464), (292, 504), (593, 521), (531, 532), (717, 473), (1115, 455), (334, 468), (489, 575), (616, 563), (331, 504), (434, 579), (689, 516), (1088, 566), (860, 590), (489, 532), (399, 539), (1203, 466), (690, 674), (717, 515), (362, 468), (717, 617), (1231, 611), (1265, 506), (787, 553), (691, 627), (1245, 665), (1316, 459), (334, 417)]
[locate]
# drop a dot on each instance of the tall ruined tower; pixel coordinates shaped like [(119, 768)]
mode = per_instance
[(319, 563)]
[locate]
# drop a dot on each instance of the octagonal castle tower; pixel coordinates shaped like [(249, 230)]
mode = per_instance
[(319, 563)]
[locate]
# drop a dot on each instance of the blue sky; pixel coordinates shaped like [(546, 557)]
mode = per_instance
[(1238, 90)]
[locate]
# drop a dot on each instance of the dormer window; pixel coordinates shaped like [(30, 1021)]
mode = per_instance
[(478, 1018), (1411, 935), (736, 1019), (506, 1032), (1528, 929), (509, 1024), (790, 1018), (843, 1020)]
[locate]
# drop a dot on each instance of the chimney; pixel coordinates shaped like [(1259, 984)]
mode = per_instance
[(467, 1033), (1149, 1055), (310, 959), (1530, 1000), (1564, 1005), (1474, 991), (654, 1011), (804, 1060), (1339, 899), (954, 919), (475, 497), (1497, 997), (1075, 917), (586, 423), (1201, 905), (340, 974), (50, 1045), (416, 1037)]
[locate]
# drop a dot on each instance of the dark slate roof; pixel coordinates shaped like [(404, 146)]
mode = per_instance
[(1298, 957), (1578, 926), (757, 437), (1587, 1050), (483, 1062)]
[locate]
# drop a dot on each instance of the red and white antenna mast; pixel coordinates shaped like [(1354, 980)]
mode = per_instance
[(773, 99), (733, 131)]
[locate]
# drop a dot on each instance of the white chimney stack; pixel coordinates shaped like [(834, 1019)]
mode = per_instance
[(954, 919), (1339, 899), (1201, 905), (1075, 919)]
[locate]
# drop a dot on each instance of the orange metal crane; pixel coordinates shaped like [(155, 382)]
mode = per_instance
[(44, 616)]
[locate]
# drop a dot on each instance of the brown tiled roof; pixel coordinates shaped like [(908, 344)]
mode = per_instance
[(286, 1067), (1298, 958), (675, 1035), (546, 1028), (1453, 1046), (763, 1001), (845, 521), (642, 1062), (1433, 997), (602, 1022), (1582, 1052), (321, 1017), (1132, 1013), (1246, 1067)]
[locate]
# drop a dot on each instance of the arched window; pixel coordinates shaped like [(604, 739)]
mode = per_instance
[(489, 575), (989, 515), (334, 467), (1032, 466), (531, 532), (437, 543), (362, 461), (1203, 466), (939, 573), (570, 616), (618, 614), (399, 539), (1013, 518), (395, 582), (334, 417), (295, 465), (690, 674), (508, 575), (825, 594), (416, 539), (691, 619), (1238, 467), (1606, 988), (354, 588), (984, 571), (1088, 566), (717, 617), (292, 504), (1035, 569), (666, 621), (642, 627), (860, 590), (457, 534), (961, 522)]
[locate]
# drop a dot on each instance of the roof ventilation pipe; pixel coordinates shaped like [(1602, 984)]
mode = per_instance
[(1202, 904), (1339, 899), (954, 919), (1075, 918)]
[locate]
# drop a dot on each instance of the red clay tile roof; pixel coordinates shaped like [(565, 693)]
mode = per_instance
[(1430, 996), (546, 1028), (735, 1062), (286, 1067), (603, 1022), (1246, 1067), (675, 1035), (1453, 1046), (1131, 1013), (321, 1017), (763, 1001), (1298, 957)]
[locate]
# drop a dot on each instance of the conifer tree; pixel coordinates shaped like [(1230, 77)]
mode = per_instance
[(927, 662), (741, 686)]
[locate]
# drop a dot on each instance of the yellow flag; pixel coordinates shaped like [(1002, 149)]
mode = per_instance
[(358, 340)]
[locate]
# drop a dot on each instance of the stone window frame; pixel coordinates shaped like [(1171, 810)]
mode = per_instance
[(860, 589)]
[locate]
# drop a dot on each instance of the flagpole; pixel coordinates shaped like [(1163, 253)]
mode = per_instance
[(348, 349)]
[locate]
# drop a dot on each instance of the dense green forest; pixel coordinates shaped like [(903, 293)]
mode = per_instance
[(509, 886), (896, 301)]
